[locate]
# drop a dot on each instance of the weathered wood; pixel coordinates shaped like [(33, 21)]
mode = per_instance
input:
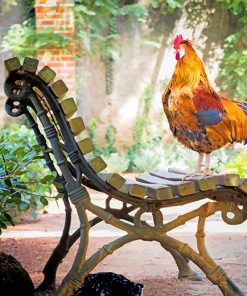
[(202, 183), (69, 106), (30, 65), (59, 88), (47, 74), (205, 183), (243, 185), (167, 175), (157, 191), (229, 180), (115, 180), (77, 125), (11, 65), (86, 145), (132, 188), (179, 188), (97, 164), (177, 171)]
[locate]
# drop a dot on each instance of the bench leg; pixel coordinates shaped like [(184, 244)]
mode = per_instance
[(213, 272), (185, 271)]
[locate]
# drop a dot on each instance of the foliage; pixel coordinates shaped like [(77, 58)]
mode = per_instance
[(233, 65), (93, 21), (25, 181), (117, 162), (166, 6), (23, 40), (238, 164)]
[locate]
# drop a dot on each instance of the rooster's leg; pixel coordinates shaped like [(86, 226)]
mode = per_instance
[(199, 170), (199, 163), (207, 170)]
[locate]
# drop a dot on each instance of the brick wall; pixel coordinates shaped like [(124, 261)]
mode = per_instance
[(58, 15)]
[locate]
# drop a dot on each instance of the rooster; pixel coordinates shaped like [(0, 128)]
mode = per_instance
[(198, 116)]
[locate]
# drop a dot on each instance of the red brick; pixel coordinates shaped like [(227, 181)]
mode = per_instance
[(43, 9), (56, 15), (41, 2), (68, 58), (47, 22), (56, 64), (61, 9)]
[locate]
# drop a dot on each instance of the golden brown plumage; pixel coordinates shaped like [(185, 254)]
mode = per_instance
[(199, 117)]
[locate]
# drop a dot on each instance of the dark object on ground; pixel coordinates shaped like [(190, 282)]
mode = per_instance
[(14, 279), (109, 284)]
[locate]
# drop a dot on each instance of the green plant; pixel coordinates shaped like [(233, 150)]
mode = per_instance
[(233, 64), (238, 164), (20, 37), (25, 181), (117, 162)]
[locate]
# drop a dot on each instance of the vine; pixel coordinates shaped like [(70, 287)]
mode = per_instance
[(233, 64)]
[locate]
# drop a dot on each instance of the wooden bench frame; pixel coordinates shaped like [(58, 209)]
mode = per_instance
[(30, 93)]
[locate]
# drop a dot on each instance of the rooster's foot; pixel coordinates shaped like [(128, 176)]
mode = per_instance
[(202, 174)]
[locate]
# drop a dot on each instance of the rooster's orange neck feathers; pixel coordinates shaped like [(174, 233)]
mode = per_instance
[(190, 71)]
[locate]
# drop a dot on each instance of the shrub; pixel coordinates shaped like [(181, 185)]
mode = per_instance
[(25, 181)]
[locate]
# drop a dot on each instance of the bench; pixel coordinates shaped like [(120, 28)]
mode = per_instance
[(61, 133)]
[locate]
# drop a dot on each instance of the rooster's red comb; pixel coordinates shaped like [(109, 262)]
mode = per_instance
[(177, 40)]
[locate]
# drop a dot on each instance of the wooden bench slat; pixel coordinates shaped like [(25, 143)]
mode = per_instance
[(86, 145), (97, 164), (115, 180), (30, 65), (59, 88), (11, 65), (177, 171), (69, 106), (203, 184), (243, 185), (157, 191), (229, 180), (167, 175), (77, 125), (134, 189), (179, 188), (47, 74)]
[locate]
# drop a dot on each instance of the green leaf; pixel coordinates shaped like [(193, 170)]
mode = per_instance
[(47, 179), (154, 3), (14, 201), (59, 195), (84, 9), (43, 200), (9, 218), (136, 10), (58, 185)]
